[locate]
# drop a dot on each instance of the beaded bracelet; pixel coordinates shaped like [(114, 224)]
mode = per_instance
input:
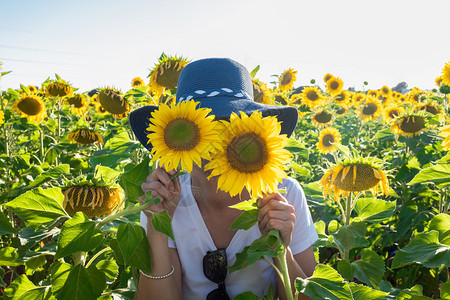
[(158, 277)]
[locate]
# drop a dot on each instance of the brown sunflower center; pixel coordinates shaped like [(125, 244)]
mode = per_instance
[(167, 74), (341, 111), (286, 79), (334, 85), (258, 93), (323, 117), (370, 109), (181, 135), (76, 101), (247, 153), (312, 95), (30, 106), (364, 179), (412, 124), (431, 109), (59, 89), (340, 97), (393, 113), (327, 140), (280, 99), (113, 102)]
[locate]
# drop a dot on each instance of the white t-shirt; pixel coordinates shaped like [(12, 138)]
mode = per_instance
[(192, 240)]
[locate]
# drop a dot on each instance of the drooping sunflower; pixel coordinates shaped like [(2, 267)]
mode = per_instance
[(182, 135), (370, 109), (391, 112), (253, 155), (343, 98), (446, 74), (137, 82), (409, 124), (31, 107), (327, 77), (356, 175), (430, 106), (287, 79), (85, 136), (78, 103), (94, 201), (322, 118), (165, 73), (334, 86), (113, 102), (58, 88), (261, 93), (312, 97), (445, 133), (327, 137), (414, 95), (281, 97)]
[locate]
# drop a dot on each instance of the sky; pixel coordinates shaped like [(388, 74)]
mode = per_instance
[(101, 43)]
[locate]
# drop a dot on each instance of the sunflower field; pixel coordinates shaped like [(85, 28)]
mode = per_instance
[(374, 165)]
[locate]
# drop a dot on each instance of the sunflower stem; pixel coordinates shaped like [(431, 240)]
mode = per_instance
[(97, 255), (284, 270), (348, 209), (59, 117), (41, 135), (5, 131), (127, 211), (79, 258)]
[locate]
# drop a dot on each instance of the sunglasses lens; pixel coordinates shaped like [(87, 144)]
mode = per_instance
[(215, 266), (218, 294)]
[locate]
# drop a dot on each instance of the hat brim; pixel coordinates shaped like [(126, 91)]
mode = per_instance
[(220, 107)]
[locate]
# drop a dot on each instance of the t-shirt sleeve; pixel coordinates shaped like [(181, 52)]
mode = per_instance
[(143, 220), (304, 233)]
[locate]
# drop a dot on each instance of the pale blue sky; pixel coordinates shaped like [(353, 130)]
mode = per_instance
[(101, 43)]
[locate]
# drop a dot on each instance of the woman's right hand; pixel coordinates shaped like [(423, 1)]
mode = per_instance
[(164, 188)]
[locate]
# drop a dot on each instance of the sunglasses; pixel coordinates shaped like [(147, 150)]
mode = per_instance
[(215, 269)]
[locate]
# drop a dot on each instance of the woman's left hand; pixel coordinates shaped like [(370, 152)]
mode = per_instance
[(276, 213)]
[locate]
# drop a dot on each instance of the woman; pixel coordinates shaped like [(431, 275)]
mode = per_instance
[(194, 265)]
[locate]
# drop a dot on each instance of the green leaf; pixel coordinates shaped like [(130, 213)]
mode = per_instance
[(441, 223), (445, 290), (133, 246), (39, 207), (424, 249), (116, 149), (439, 174), (351, 236), (374, 210), (163, 223), (246, 220), (58, 274), (23, 289), (246, 296), (325, 283), (370, 268), (109, 267), (345, 269), (246, 205), (254, 71), (82, 284), (9, 257), (362, 292), (5, 225), (78, 234), (132, 179), (53, 173), (105, 175)]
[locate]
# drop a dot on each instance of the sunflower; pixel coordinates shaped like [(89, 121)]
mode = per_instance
[(445, 133), (287, 79), (85, 136), (165, 73), (409, 124), (2, 117), (58, 88), (32, 89), (113, 102), (30, 106), (341, 110), (182, 135), (322, 118), (280, 97), (385, 91), (391, 112), (253, 157), (343, 98), (78, 104), (327, 137), (357, 98), (373, 93), (439, 80), (431, 107), (327, 77), (446, 74), (414, 95), (261, 93), (137, 82), (370, 109), (312, 97), (334, 86), (355, 175), (94, 201)]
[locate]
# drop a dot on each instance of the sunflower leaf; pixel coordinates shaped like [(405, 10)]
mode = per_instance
[(23, 288), (246, 205), (39, 207), (82, 283), (438, 174), (254, 71), (246, 220), (163, 223), (363, 292), (5, 225), (133, 177), (369, 269), (374, 210), (9, 257), (53, 173)]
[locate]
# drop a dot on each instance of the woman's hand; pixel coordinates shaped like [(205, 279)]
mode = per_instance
[(164, 188), (276, 213)]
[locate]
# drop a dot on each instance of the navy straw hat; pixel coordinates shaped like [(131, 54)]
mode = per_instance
[(221, 84)]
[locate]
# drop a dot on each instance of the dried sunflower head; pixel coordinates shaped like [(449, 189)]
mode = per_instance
[(85, 136), (113, 102), (58, 88)]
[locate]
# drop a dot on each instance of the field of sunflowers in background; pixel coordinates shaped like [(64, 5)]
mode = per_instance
[(374, 166)]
